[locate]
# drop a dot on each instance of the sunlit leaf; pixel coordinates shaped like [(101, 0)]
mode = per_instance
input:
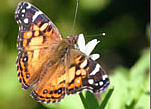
[(106, 99)]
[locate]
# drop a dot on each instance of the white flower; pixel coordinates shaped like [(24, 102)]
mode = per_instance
[(88, 48)]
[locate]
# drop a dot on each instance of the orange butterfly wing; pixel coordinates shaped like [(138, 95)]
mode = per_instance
[(75, 73), (36, 35)]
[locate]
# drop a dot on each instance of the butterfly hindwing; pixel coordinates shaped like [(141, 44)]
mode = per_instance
[(84, 73), (29, 66), (76, 73), (51, 87)]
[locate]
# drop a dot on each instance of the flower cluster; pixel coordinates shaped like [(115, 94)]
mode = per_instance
[(88, 48)]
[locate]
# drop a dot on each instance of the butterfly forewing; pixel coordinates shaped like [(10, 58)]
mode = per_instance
[(36, 33), (36, 30)]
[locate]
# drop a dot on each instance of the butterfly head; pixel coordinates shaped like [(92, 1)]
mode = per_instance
[(71, 40)]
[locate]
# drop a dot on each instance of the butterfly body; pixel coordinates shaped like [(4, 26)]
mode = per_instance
[(51, 65)]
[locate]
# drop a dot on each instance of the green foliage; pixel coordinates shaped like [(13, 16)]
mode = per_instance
[(131, 85), (106, 99)]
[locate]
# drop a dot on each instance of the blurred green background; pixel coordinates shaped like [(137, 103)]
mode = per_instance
[(125, 54)]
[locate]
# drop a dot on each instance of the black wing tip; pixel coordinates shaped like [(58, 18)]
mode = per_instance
[(19, 8)]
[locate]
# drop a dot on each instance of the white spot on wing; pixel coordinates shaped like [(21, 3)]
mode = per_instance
[(28, 34), (104, 77), (90, 81), (36, 15), (95, 70), (29, 6), (23, 11), (78, 81), (100, 83), (22, 15), (26, 20), (96, 84), (19, 21)]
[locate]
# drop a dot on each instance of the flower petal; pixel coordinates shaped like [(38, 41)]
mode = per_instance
[(81, 43), (90, 46), (94, 56)]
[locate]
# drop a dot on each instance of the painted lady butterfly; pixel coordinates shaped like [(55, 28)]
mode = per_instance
[(50, 64)]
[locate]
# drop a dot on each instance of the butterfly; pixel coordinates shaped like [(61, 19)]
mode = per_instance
[(49, 64)]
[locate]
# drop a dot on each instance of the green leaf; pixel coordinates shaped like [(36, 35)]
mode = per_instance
[(91, 101), (139, 74), (144, 99), (83, 101), (138, 84), (119, 80), (105, 101)]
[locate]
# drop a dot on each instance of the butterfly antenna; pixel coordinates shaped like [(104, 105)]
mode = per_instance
[(101, 34), (75, 16)]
